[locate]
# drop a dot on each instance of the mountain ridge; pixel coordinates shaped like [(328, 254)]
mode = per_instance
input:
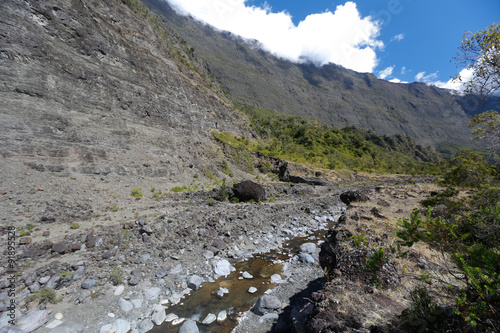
[(331, 94)]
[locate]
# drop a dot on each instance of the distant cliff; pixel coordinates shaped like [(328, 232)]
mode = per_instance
[(331, 94)]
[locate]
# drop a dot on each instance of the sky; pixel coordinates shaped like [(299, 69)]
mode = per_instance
[(396, 40)]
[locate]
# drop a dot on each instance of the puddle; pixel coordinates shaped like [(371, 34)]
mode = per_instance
[(200, 303)]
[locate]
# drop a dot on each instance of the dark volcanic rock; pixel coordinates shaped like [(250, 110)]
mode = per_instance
[(352, 196), (248, 190)]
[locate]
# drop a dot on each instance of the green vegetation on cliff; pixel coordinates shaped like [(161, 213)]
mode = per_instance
[(309, 142)]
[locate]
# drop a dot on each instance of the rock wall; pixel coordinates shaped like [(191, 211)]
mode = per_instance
[(90, 87)]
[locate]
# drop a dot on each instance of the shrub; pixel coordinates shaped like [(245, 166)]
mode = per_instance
[(423, 315), (469, 169), (43, 296), (116, 276), (136, 192)]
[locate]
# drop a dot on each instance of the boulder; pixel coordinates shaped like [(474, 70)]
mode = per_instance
[(267, 304), (247, 190), (33, 320), (352, 196)]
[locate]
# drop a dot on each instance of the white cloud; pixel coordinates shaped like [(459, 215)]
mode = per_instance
[(342, 37), (465, 74), (398, 37), (383, 74), (422, 77), (396, 80)]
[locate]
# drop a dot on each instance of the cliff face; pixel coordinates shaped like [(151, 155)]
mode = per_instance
[(89, 86), (331, 94)]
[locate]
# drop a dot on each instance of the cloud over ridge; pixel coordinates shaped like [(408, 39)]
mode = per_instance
[(342, 37)]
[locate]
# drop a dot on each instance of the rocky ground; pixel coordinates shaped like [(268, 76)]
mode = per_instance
[(92, 251)]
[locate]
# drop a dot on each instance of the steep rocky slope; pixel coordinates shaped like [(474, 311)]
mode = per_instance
[(331, 94), (91, 87)]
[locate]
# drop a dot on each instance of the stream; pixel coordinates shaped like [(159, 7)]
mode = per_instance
[(204, 301)]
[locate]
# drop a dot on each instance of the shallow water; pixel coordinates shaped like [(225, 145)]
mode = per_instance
[(203, 301)]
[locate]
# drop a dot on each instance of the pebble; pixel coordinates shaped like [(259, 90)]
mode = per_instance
[(177, 321), (119, 290), (137, 303), (158, 316), (106, 328), (247, 275), (276, 278), (222, 315), (145, 257), (53, 324), (121, 326), (145, 325), (189, 327), (87, 284), (222, 268), (308, 248), (111, 315), (306, 258), (194, 282), (210, 318), (170, 317), (252, 290), (152, 293), (58, 316), (273, 316), (222, 291), (68, 327), (44, 279), (125, 305)]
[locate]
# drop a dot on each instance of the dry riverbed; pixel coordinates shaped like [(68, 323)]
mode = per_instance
[(112, 260)]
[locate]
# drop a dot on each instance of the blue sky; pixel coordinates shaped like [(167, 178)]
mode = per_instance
[(398, 40)]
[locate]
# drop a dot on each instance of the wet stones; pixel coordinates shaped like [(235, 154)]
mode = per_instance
[(194, 282), (158, 315), (222, 268), (189, 326)]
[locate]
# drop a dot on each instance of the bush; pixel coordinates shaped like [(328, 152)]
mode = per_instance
[(423, 315), (116, 276), (43, 296), (136, 192), (469, 169)]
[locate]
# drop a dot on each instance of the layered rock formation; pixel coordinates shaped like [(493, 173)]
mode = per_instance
[(92, 87)]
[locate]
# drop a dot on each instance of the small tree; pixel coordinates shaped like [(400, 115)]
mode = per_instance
[(487, 129), (480, 52)]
